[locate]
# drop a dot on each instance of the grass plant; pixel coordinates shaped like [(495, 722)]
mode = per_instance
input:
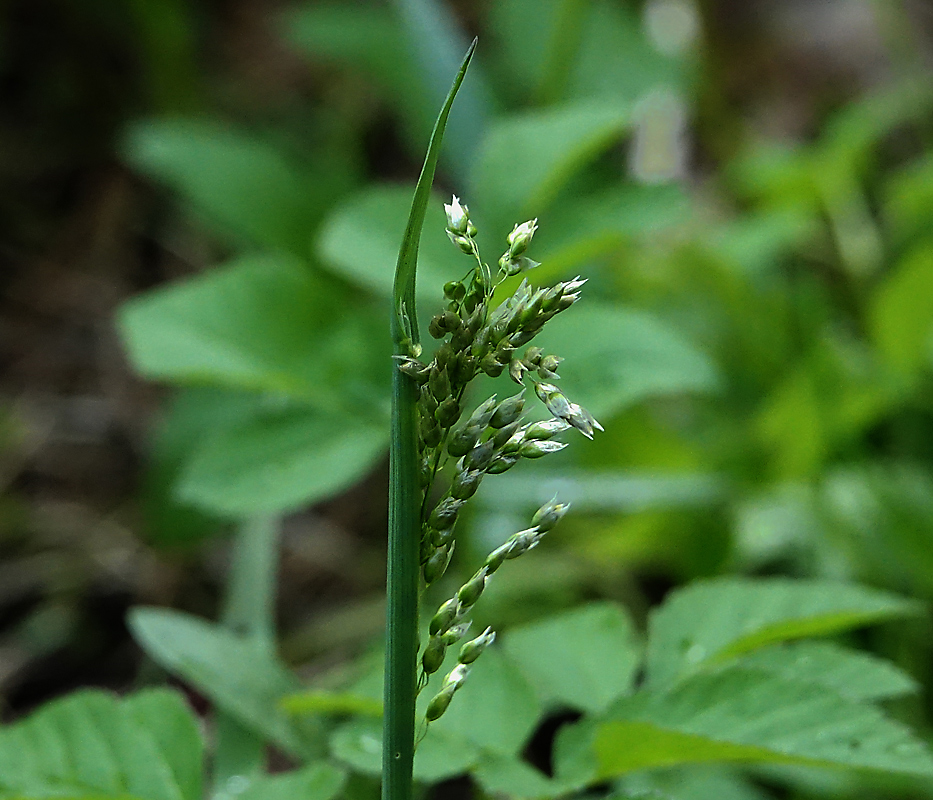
[(428, 402)]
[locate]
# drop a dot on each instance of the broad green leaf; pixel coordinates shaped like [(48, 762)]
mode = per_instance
[(548, 31), (711, 621), (578, 229), (584, 658), (437, 42), (496, 709), (317, 782), (526, 158), (901, 312), (617, 63), (169, 720), (617, 357), (502, 776), (261, 324), (691, 783), (279, 462), (908, 200), (239, 675), (739, 716), (187, 417), (236, 181), (89, 744), (365, 38), (439, 756), (360, 240), (884, 510), (853, 675)]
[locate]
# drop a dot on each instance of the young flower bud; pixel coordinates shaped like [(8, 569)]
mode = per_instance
[(504, 435), (517, 370), (508, 266), (441, 700), (430, 432), (508, 410), (546, 429), (441, 538), (480, 456), (549, 515), (465, 484), (583, 421), (495, 559), (454, 290), (520, 237), (536, 449), (413, 368), (474, 648), (435, 329), (523, 541), (547, 369), (436, 565), (448, 412), (458, 216), (446, 616), (439, 384), (439, 704), (463, 369), (456, 677), (445, 514), (456, 633), (532, 357), (554, 400), (433, 656), (463, 440), (470, 591), (426, 472), (427, 401), (491, 366), (503, 463), (524, 336)]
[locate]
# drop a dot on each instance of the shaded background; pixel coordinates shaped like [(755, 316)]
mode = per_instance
[(751, 183)]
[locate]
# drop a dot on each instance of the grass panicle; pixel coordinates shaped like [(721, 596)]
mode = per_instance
[(478, 337)]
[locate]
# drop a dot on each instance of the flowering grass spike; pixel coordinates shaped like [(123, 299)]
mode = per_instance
[(478, 337)]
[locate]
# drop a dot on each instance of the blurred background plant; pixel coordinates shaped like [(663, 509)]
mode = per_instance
[(747, 186)]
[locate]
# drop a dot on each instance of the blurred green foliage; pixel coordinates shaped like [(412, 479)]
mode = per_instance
[(755, 337)]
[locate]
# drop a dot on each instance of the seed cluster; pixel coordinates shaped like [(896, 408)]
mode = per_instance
[(477, 338)]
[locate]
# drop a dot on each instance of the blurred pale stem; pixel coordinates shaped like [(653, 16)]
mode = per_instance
[(248, 611)]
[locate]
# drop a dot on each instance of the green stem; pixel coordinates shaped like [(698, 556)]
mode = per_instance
[(249, 610), (405, 496)]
